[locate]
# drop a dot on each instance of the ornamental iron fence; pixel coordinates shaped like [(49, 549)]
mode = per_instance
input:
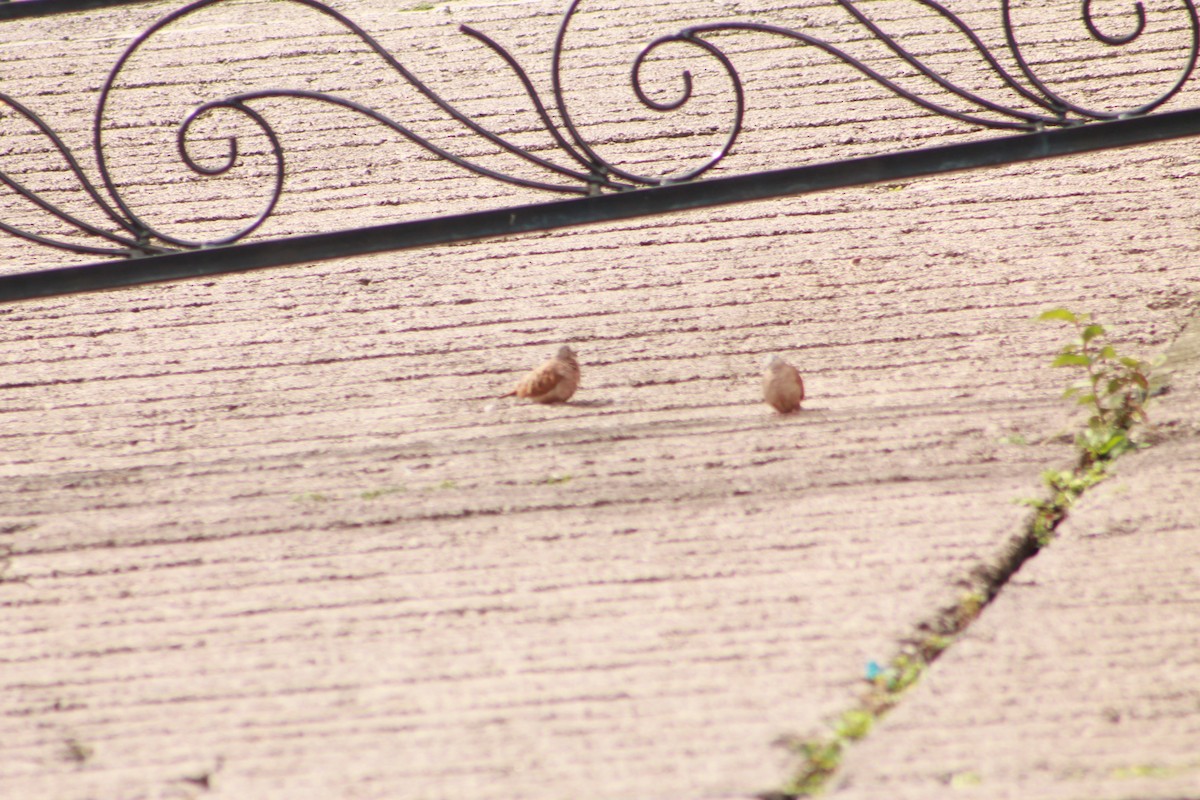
[(1040, 123)]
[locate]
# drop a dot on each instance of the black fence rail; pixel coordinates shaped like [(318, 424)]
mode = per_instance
[(15, 9), (1040, 123)]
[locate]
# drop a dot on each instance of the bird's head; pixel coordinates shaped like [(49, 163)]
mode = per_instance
[(773, 361)]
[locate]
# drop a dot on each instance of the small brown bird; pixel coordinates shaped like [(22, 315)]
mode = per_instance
[(553, 382), (783, 388)]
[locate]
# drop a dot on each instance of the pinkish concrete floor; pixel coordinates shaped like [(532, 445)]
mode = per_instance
[(1081, 679), (277, 530)]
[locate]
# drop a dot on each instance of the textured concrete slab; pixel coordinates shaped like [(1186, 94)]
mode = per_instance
[(1081, 679), (274, 535)]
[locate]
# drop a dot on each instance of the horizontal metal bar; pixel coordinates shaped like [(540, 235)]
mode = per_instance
[(15, 9), (606, 208)]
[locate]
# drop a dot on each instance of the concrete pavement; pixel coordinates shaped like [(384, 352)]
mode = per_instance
[(274, 535)]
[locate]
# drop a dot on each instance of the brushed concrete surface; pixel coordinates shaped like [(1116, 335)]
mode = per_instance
[(1081, 680), (275, 535)]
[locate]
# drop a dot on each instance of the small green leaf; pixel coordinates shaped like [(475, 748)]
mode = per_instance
[(1107, 353), (1091, 332), (1050, 476), (1117, 440), (1061, 314), (1071, 360), (854, 724)]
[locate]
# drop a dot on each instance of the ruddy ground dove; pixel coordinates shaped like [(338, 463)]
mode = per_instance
[(783, 388), (553, 382)]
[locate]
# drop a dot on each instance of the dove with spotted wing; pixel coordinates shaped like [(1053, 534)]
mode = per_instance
[(553, 382)]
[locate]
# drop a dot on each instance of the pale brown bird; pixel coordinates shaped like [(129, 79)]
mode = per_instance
[(783, 388), (553, 382)]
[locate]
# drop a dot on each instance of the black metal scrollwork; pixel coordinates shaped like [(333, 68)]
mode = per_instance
[(584, 171)]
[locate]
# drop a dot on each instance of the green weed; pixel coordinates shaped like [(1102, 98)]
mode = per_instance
[(1113, 387)]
